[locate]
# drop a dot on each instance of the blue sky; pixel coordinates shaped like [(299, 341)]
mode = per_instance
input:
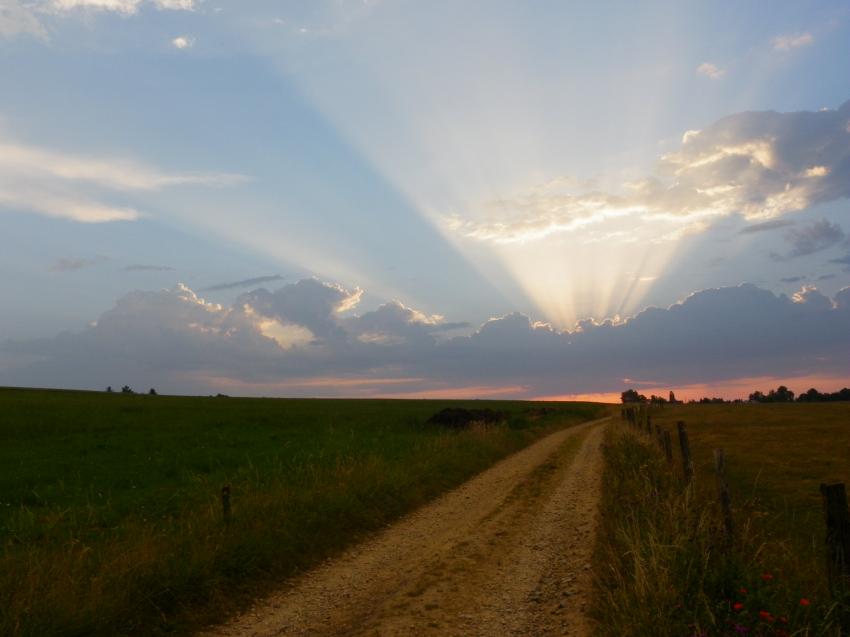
[(464, 161)]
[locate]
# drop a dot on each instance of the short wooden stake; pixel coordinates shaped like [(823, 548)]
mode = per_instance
[(837, 531), (668, 447), (723, 492), (225, 503), (687, 465)]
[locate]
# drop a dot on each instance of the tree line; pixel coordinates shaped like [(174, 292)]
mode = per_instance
[(779, 395)]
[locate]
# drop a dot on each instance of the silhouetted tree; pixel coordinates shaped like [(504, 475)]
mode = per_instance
[(673, 400), (126, 390), (109, 389), (631, 396), (152, 392)]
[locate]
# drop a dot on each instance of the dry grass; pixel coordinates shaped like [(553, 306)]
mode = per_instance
[(663, 565)]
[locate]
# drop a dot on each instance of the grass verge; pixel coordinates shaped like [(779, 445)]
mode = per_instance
[(663, 566)]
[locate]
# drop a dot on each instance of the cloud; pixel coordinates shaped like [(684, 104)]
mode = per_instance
[(141, 267), (815, 237), (175, 5), (183, 42), (309, 303), (244, 283), (792, 41), (766, 226), (845, 260), (17, 19), (72, 264), (711, 70), (791, 279), (761, 165), (126, 7), (59, 184), (25, 18), (302, 339)]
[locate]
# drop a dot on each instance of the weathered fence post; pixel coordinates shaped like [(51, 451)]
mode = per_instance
[(668, 447), (687, 465), (225, 503), (723, 492), (837, 531)]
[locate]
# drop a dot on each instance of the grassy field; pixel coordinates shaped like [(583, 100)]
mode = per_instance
[(664, 566), (110, 512)]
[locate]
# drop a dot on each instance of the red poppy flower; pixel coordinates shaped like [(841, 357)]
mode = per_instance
[(765, 616), (767, 576), (737, 606), (804, 601), (742, 590)]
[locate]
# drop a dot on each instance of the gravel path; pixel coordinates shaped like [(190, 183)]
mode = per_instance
[(507, 553)]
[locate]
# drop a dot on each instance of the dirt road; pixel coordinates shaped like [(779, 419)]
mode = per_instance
[(507, 553)]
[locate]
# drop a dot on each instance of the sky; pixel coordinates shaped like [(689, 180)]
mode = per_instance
[(477, 199)]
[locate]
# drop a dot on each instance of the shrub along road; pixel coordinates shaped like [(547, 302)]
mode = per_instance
[(507, 553)]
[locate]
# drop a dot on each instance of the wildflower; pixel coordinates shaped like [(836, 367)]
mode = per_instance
[(742, 590), (767, 576), (741, 630), (737, 606), (765, 616), (804, 601), (783, 619)]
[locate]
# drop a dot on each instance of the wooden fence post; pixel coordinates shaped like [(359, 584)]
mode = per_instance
[(225, 503), (837, 531), (687, 465), (723, 492), (668, 447)]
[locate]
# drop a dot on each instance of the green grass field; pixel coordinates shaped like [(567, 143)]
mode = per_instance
[(110, 513), (664, 566)]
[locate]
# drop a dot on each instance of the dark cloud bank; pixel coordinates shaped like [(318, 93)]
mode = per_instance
[(175, 341)]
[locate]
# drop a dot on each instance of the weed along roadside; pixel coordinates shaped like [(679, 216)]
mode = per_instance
[(127, 514), (705, 540)]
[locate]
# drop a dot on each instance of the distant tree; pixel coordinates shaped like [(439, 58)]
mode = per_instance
[(126, 390), (109, 389), (657, 400), (672, 399), (631, 396), (757, 397), (152, 392), (781, 395)]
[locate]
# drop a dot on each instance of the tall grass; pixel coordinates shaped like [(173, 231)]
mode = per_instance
[(110, 518), (664, 567)]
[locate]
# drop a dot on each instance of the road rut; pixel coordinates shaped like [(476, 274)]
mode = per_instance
[(507, 553)]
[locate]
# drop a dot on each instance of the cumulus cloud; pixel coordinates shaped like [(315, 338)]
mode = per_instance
[(792, 41), (812, 238), (183, 42), (59, 184), (304, 338), (761, 165), (711, 70), (310, 303)]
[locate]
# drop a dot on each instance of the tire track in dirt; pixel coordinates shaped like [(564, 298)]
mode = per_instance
[(507, 553)]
